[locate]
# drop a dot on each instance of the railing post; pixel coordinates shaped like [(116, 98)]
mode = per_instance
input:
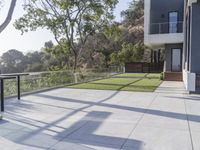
[(18, 87), (2, 96)]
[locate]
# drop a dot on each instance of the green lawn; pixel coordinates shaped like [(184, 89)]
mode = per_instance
[(153, 75), (132, 75), (149, 75), (128, 83)]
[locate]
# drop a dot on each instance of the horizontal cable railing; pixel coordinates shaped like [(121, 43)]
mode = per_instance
[(166, 27)]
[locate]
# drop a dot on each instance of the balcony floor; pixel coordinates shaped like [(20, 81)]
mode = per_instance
[(73, 119)]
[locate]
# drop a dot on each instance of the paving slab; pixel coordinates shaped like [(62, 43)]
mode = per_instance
[(70, 145), (160, 139), (108, 133), (196, 139), (10, 145), (171, 87), (67, 119)]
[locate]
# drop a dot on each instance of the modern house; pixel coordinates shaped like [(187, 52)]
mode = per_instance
[(174, 25)]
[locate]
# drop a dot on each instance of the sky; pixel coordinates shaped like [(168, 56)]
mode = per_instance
[(11, 38)]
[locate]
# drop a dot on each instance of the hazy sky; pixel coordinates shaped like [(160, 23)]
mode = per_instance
[(11, 38)]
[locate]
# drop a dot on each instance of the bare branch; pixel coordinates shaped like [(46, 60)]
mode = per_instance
[(9, 16)]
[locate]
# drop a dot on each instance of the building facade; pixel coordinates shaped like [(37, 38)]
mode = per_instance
[(174, 25)]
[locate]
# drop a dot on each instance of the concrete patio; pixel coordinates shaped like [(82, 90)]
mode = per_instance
[(72, 119)]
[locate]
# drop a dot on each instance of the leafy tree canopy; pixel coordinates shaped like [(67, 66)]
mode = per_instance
[(74, 20), (135, 12)]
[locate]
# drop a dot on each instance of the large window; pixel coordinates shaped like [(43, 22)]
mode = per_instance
[(173, 22)]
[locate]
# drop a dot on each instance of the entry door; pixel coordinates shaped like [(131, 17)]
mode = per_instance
[(176, 60)]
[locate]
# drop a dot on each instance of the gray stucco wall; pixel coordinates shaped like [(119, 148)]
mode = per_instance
[(160, 10), (195, 38), (168, 55)]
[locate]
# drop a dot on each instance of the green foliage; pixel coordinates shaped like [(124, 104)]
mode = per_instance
[(114, 58), (12, 61), (85, 34), (70, 20), (112, 32), (128, 53), (58, 50), (44, 60), (134, 12), (162, 76), (97, 53), (60, 53)]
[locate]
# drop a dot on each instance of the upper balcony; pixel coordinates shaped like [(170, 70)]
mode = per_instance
[(166, 27), (163, 22), (164, 33)]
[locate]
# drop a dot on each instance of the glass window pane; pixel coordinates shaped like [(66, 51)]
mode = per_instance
[(173, 22)]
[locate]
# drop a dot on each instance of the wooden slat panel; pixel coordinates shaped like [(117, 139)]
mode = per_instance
[(198, 80), (139, 67)]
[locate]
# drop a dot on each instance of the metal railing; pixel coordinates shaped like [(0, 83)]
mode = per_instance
[(166, 27), (37, 81)]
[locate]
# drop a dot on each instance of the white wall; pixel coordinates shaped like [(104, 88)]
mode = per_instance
[(191, 1), (189, 80), (161, 39)]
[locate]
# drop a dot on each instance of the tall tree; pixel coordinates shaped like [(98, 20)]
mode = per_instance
[(74, 20), (60, 52), (12, 61), (9, 15), (134, 14), (104, 43)]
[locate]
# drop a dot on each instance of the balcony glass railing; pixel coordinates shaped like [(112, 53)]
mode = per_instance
[(167, 27), (37, 81)]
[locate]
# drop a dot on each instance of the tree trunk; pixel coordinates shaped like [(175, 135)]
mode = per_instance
[(9, 16), (106, 61), (75, 62)]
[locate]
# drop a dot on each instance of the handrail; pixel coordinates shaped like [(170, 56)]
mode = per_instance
[(167, 22), (166, 27)]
